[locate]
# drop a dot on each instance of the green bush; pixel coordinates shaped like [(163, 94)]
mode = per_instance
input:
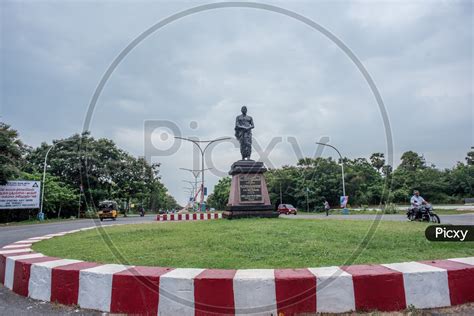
[(390, 208), (90, 214)]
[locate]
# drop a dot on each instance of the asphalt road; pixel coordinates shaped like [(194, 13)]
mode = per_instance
[(9, 234), (457, 219), (13, 304), (459, 207)]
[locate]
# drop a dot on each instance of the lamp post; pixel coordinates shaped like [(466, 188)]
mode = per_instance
[(307, 201), (41, 215), (190, 182), (198, 144), (342, 168), (279, 177), (281, 196), (195, 173), (281, 193), (189, 190), (193, 186)]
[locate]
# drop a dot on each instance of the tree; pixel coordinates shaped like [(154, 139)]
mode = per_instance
[(282, 181), (219, 197), (460, 181), (411, 161), (11, 153), (363, 183), (104, 170), (377, 160), (99, 166), (170, 203), (134, 178), (437, 186), (320, 179), (157, 199), (432, 184), (317, 179), (80, 160), (60, 200)]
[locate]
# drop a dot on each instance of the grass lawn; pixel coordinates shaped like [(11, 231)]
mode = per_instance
[(253, 243)]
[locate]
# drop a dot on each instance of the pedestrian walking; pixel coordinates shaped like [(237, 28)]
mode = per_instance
[(327, 207)]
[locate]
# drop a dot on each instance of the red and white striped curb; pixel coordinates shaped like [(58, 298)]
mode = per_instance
[(167, 291), (188, 217)]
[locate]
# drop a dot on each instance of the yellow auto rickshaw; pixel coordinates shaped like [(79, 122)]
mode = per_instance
[(107, 209)]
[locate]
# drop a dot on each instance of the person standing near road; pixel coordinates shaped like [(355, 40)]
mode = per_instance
[(327, 207)]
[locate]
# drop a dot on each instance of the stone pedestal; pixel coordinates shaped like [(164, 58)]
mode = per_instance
[(248, 191)]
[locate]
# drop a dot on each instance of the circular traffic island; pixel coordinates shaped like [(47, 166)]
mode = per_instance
[(253, 244), (263, 266)]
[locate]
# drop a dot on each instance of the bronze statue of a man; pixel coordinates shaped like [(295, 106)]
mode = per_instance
[(243, 132)]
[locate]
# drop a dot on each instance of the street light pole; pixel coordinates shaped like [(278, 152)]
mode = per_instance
[(195, 173), (189, 190), (307, 202), (193, 189), (44, 179), (198, 144), (279, 178), (342, 166), (281, 197), (44, 174), (190, 182)]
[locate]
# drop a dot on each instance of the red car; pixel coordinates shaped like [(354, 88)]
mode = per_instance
[(286, 209)]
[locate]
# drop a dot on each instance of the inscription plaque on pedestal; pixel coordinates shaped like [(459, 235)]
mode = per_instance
[(248, 191), (250, 188)]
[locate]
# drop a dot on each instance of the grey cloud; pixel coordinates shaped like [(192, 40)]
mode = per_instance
[(204, 67)]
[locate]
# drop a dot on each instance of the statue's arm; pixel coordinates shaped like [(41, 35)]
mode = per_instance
[(251, 123), (237, 125)]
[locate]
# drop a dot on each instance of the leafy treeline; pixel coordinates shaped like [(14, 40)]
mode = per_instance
[(98, 166), (12, 151), (368, 182)]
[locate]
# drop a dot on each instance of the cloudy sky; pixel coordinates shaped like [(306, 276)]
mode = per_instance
[(197, 72)]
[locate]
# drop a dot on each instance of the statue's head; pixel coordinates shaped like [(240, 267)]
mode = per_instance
[(244, 110)]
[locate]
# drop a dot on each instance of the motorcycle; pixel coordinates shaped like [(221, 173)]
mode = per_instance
[(425, 214)]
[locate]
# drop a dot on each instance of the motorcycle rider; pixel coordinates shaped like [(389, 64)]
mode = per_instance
[(416, 202)]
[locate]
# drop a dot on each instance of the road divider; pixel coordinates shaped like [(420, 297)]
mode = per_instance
[(188, 217), (196, 291)]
